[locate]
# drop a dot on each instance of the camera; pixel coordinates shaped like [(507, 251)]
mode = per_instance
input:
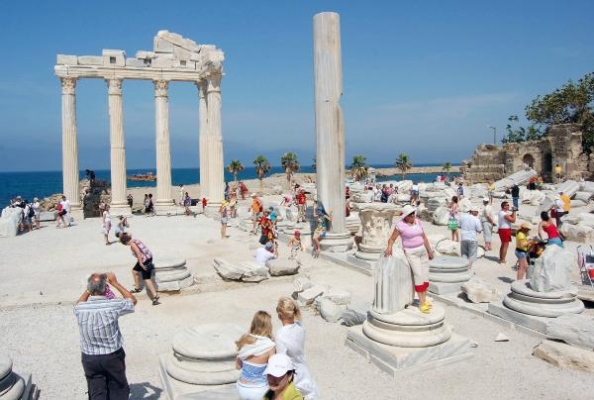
[(514, 209)]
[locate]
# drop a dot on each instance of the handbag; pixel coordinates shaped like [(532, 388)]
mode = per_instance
[(453, 225)]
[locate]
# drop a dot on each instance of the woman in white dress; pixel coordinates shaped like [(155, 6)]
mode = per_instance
[(290, 339), (106, 224)]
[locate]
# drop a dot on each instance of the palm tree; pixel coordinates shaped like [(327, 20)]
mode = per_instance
[(235, 167), (403, 163), (291, 165), (262, 168), (447, 167), (359, 168)]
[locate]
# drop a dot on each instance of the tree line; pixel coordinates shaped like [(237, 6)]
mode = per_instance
[(359, 169), (571, 103)]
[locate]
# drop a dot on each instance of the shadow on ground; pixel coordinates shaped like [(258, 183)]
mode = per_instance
[(144, 391)]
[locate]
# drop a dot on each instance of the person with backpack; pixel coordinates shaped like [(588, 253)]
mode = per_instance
[(60, 222)]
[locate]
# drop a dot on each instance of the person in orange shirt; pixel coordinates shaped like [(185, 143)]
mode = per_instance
[(257, 208)]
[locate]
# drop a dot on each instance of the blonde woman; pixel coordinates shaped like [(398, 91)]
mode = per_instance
[(290, 339), (255, 348)]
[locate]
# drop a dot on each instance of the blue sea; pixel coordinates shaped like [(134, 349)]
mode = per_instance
[(45, 183)]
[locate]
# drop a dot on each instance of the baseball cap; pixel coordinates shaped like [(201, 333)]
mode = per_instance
[(279, 365)]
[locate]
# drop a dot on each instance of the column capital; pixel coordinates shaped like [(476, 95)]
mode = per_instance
[(161, 88), (114, 86), (214, 82), (68, 85), (202, 85)]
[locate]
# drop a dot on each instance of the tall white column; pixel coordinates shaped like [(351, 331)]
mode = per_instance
[(164, 201), (70, 173), (203, 137), (330, 158), (216, 177), (119, 205)]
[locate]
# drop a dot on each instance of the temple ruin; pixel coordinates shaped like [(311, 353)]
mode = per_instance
[(173, 58), (563, 146)]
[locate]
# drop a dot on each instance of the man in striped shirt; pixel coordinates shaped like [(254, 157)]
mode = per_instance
[(103, 357)]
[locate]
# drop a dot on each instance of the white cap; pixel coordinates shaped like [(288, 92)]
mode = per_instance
[(486, 200), (474, 208), (279, 365)]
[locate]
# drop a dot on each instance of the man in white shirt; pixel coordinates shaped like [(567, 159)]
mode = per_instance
[(469, 227), (265, 254), (487, 221), (66, 207)]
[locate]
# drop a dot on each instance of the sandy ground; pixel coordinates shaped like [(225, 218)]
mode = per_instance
[(43, 273)]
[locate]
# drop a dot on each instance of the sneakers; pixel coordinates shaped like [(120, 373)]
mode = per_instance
[(425, 308), (156, 301)]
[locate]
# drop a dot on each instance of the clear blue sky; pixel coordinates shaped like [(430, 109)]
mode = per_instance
[(426, 78)]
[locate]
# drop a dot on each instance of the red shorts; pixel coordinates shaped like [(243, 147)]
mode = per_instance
[(505, 234)]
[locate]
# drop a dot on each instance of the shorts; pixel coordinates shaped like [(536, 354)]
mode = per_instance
[(468, 249), (521, 254), (488, 231), (224, 220), (247, 391), (505, 234), (256, 216), (419, 264), (62, 213), (146, 274)]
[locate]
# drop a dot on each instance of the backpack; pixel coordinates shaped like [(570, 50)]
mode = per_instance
[(59, 208), (31, 212)]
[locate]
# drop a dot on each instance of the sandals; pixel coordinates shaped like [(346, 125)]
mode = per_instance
[(156, 301), (135, 290), (425, 308)]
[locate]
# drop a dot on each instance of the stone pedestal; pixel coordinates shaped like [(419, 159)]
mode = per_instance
[(13, 386), (337, 242), (447, 274), (172, 274), (398, 336), (203, 359), (534, 310), (376, 223)]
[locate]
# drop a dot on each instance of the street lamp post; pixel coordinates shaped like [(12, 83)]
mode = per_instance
[(494, 134)]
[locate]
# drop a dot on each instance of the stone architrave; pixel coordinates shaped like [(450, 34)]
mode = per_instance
[(330, 143), (376, 224), (215, 169), (164, 201), (203, 136), (70, 169), (119, 204)]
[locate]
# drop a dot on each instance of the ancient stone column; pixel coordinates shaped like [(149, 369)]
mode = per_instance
[(203, 137), (70, 171), (119, 204), (164, 201), (329, 128), (216, 177), (376, 221)]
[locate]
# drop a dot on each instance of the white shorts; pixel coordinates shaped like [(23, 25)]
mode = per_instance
[(419, 264)]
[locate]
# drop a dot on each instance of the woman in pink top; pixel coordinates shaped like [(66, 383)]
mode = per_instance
[(417, 251)]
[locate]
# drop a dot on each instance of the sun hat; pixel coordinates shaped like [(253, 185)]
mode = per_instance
[(474, 208), (279, 365), (486, 200), (253, 195), (407, 210), (526, 225), (268, 245)]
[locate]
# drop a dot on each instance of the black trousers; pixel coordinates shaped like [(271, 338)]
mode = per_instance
[(106, 376)]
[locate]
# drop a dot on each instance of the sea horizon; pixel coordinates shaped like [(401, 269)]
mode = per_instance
[(42, 184)]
